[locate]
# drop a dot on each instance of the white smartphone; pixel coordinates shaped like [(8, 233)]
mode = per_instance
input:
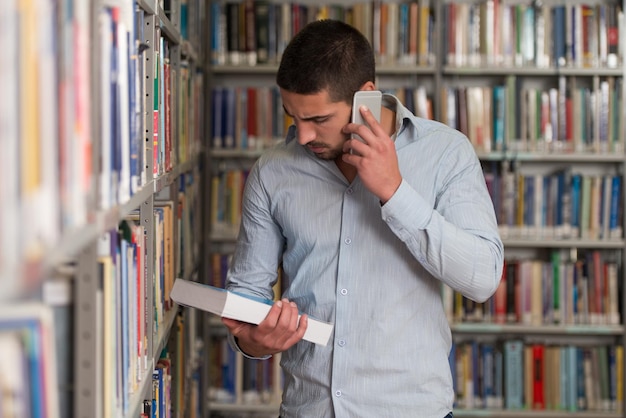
[(370, 98)]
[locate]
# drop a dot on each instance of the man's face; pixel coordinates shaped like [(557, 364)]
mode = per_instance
[(318, 122)]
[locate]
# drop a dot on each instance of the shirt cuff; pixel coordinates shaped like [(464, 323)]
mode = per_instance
[(406, 203), (233, 343)]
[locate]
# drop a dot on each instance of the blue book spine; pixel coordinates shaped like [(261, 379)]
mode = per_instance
[(217, 24), (216, 102), (572, 367), (133, 99), (155, 394), (452, 364), (612, 377), (558, 35), (488, 391), (498, 382), (228, 113), (575, 196), (581, 398), (243, 127), (477, 374), (616, 201), (563, 379), (529, 202), (514, 376), (499, 109)]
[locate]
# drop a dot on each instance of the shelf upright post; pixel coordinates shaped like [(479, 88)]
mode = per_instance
[(146, 214), (146, 209), (151, 40), (87, 340)]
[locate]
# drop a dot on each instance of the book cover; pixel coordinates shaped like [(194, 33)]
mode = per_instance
[(514, 378), (28, 344), (538, 354), (238, 306)]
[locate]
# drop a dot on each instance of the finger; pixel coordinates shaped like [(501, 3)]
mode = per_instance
[(272, 317), (235, 327), (295, 332), (368, 117), (288, 320), (354, 146)]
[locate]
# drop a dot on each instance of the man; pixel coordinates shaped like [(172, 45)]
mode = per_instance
[(366, 233)]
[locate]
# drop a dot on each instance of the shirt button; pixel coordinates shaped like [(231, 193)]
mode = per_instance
[(344, 291), (349, 191), (348, 241), (341, 343), (389, 219), (337, 393)]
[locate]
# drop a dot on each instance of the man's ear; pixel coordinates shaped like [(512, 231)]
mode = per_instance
[(369, 85)]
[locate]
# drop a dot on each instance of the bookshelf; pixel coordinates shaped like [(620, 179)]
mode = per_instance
[(462, 59), (538, 140), (103, 131)]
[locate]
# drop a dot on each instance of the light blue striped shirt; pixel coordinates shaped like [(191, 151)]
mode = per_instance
[(374, 271)]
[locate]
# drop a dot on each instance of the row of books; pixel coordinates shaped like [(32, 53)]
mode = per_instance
[(555, 292), (47, 121), (257, 32), (177, 96), (172, 394), (122, 258), (234, 378), (226, 196), (557, 205), (46, 158), (28, 369), (492, 32), (573, 115), (519, 375), (124, 102), (252, 118), (246, 117), (241, 380)]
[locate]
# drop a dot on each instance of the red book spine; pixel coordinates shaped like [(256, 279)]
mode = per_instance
[(538, 377), (168, 111)]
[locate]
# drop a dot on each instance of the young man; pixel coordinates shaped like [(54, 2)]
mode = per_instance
[(365, 239)]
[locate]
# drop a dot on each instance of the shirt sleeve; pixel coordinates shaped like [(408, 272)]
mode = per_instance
[(254, 266), (455, 237)]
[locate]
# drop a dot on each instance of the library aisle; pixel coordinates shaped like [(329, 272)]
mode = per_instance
[(102, 130)]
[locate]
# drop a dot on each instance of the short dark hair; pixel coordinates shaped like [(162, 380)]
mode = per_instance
[(327, 54)]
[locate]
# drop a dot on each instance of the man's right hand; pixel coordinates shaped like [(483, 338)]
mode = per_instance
[(276, 333)]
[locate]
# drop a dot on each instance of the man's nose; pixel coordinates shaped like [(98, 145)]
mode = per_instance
[(305, 133)]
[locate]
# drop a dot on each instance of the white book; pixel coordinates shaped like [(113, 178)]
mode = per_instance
[(48, 116), (245, 308), (14, 381), (123, 188), (10, 219), (106, 47)]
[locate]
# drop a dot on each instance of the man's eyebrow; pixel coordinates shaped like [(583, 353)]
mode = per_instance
[(317, 117)]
